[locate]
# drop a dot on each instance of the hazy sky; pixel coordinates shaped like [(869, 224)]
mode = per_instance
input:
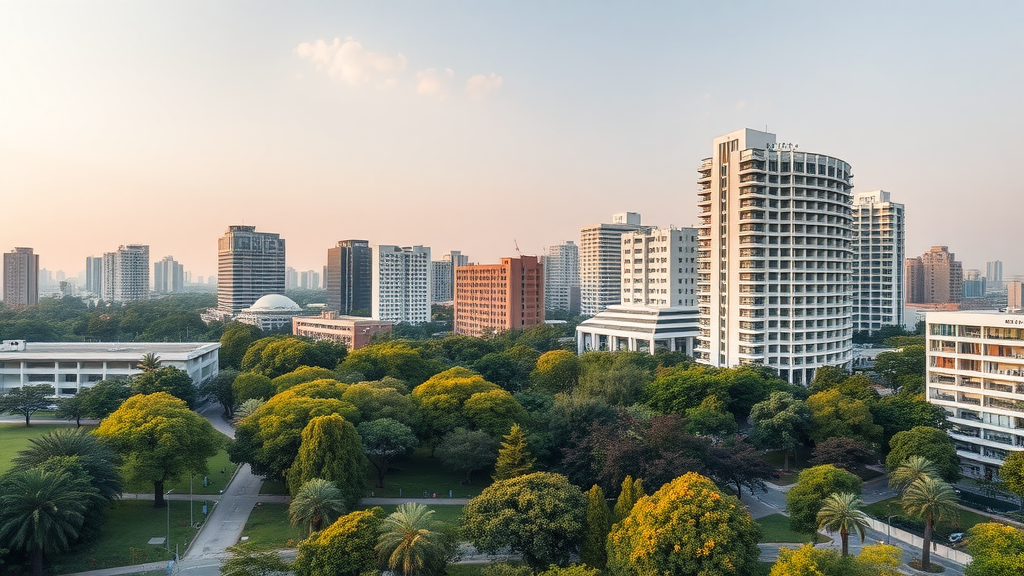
[(469, 125)]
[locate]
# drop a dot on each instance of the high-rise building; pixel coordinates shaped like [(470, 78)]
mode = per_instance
[(659, 267), (21, 277), (349, 277), (291, 278), (973, 284), (492, 298), (601, 262), (442, 274), (562, 278), (309, 280), (774, 260), (126, 273), (168, 276), (994, 274), (401, 283), (975, 365), (1014, 293), (879, 250), (935, 277), (94, 274), (250, 265)]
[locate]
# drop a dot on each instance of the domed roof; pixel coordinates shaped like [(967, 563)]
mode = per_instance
[(274, 303)]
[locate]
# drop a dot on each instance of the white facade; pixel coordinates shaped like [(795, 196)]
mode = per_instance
[(442, 274), (976, 373), (601, 262), (401, 284), (659, 267), (126, 273), (562, 277), (639, 329), (774, 261), (879, 253), (168, 276), (71, 366)]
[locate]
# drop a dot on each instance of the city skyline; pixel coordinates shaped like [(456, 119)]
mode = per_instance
[(412, 131)]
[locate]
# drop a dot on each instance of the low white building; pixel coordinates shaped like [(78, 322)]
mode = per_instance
[(71, 366), (976, 373), (640, 329), (270, 312)]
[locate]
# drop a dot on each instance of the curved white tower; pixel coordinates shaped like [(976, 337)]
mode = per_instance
[(774, 257)]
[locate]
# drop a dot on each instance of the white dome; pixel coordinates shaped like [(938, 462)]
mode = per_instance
[(274, 303)]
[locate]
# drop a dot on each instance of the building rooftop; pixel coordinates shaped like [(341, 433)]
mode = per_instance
[(110, 350), (274, 303)]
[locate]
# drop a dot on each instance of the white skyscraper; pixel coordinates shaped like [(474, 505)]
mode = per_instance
[(562, 277), (126, 273), (601, 262), (879, 253), (401, 283), (659, 267), (774, 262), (168, 276)]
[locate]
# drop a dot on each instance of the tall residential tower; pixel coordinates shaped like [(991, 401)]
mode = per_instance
[(250, 265), (562, 278), (401, 283), (21, 277), (601, 262), (774, 257), (879, 240)]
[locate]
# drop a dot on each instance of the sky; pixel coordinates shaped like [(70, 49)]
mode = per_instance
[(479, 125)]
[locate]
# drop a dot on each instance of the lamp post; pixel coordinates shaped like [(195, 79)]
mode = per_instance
[(191, 522), (888, 521), (167, 503)]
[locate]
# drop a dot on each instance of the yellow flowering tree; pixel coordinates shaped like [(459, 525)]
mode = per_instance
[(686, 527)]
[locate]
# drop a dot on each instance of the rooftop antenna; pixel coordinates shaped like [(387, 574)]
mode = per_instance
[(517, 248)]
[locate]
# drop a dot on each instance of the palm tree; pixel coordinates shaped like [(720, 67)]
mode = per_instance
[(149, 362), (41, 511), (842, 512), (911, 470), (931, 500), (318, 503), (407, 542), (93, 454)]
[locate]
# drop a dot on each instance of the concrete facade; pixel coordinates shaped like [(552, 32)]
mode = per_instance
[(353, 331), (935, 277), (562, 278), (976, 373), (401, 284), (639, 329), (21, 278), (774, 261), (168, 276), (601, 262), (879, 250), (126, 273), (659, 267), (492, 298), (250, 265)]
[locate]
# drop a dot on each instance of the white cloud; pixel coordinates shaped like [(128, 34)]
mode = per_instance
[(434, 82), (349, 62), (480, 85)]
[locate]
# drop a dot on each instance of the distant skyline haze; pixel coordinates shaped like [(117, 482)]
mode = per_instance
[(473, 125)]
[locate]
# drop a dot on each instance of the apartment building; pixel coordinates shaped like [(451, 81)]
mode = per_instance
[(492, 298), (659, 267), (21, 278), (562, 278), (879, 251), (601, 262), (401, 283)]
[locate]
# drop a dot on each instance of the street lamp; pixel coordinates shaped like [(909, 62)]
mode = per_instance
[(167, 503), (888, 521)]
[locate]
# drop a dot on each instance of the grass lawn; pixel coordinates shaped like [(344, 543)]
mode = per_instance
[(883, 509), (124, 540), (776, 529), (420, 473), (268, 529), (217, 479), (273, 487), (15, 437), (778, 459)]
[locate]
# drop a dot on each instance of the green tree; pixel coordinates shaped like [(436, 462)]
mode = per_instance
[(467, 450), (494, 411), (249, 385), (828, 377), (71, 408), (317, 503), (41, 511), (331, 449), (384, 440), (90, 451), (874, 560), (911, 470), (556, 371), (514, 457), (441, 400), (174, 381), (300, 375), (101, 399), (539, 515), (834, 415), (683, 388), (711, 418), (845, 453), (345, 548), (899, 412), (931, 500), (26, 400), (159, 439), (407, 543), (631, 491), (149, 362), (277, 355), (930, 443), (570, 570), (686, 527), (248, 562), (842, 512), (1012, 472), (780, 423), (813, 486), (376, 400), (997, 549), (595, 529), (908, 361), (218, 389), (395, 359)]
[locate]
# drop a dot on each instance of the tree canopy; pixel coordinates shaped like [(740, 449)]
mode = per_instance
[(931, 443), (813, 486)]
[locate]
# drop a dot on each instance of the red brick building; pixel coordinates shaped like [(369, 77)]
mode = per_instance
[(492, 298)]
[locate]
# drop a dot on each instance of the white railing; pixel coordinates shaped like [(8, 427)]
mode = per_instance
[(916, 541)]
